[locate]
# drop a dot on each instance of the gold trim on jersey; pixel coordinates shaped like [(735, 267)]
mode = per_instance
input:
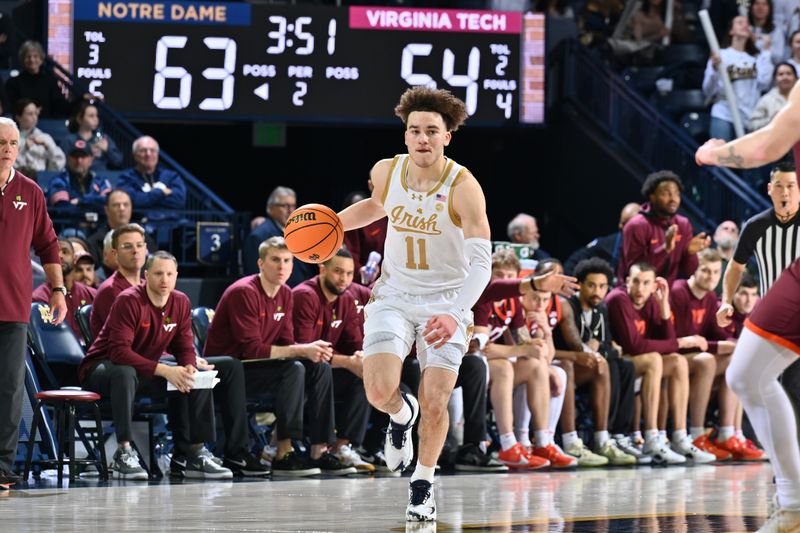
[(444, 177), (446, 172), (450, 209), (389, 179)]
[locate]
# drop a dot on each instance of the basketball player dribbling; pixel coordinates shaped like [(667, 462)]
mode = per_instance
[(770, 341), (437, 263)]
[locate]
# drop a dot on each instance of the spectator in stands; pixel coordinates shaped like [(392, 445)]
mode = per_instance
[(765, 32), (597, 20), (118, 210), (648, 23), (523, 229), (773, 101), (151, 186), (555, 8), (614, 413), (325, 310), (84, 269), (726, 236), (79, 244), (146, 322), (78, 185), (787, 17), (658, 235), (641, 322), (78, 294), (37, 149), (362, 241), (694, 307), (254, 320), (84, 124), (6, 30), (108, 263), (280, 204), (129, 249), (37, 83), (750, 72), (607, 248)]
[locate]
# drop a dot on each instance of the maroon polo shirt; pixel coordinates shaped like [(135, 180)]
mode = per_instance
[(500, 309), (137, 333), (24, 223), (247, 322), (696, 316), (79, 296), (361, 296), (639, 331), (315, 318), (106, 294)]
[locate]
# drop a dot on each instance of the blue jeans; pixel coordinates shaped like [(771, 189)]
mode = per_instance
[(721, 129)]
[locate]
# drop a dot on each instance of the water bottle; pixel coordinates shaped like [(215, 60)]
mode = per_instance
[(371, 268)]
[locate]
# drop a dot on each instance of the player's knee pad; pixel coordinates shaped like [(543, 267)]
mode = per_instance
[(383, 342)]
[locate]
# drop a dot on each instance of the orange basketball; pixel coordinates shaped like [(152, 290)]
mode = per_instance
[(313, 233)]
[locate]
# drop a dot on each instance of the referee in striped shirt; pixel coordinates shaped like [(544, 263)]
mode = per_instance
[(773, 236)]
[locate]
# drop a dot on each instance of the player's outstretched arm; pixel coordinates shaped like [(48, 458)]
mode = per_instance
[(763, 146), (370, 209)]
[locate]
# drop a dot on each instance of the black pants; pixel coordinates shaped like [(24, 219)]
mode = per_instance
[(351, 406), (13, 336), (229, 395), (299, 387), (472, 380), (623, 377), (191, 416)]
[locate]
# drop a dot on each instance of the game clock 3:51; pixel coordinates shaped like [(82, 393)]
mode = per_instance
[(296, 63)]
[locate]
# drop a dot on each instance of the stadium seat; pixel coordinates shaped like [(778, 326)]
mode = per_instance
[(676, 103), (56, 127), (643, 79), (201, 320), (696, 124), (83, 317), (55, 346), (683, 53), (44, 178)]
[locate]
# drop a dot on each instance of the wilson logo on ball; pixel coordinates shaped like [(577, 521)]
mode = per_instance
[(302, 217)]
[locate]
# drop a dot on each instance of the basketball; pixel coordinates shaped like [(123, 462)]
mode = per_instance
[(313, 233)]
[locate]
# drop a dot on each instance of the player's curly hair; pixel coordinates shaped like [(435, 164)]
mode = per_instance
[(593, 265), (452, 109), (655, 179)]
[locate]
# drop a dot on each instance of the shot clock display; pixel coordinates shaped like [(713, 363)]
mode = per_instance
[(307, 63)]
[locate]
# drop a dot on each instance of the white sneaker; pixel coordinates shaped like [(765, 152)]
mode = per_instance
[(686, 447), (421, 504), (349, 457), (125, 465), (658, 449), (398, 447), (782, 521), (627, 445)]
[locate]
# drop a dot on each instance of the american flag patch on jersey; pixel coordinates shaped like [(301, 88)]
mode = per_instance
[(441, 197)]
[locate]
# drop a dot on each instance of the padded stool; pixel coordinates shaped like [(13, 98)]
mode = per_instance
[(64, 401)]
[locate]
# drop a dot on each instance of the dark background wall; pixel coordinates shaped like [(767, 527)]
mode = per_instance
[(554, 173)]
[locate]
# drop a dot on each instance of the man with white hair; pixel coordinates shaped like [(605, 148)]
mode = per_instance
[(523, 229), (150, 185), (280, 204), (24, 224)]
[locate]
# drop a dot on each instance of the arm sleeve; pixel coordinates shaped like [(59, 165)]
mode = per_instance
[(177, 199), (98, 191), (100, 308), (139, 198), (711, 81), (58, 191), (286, 335), (44, 236), (764, 70), (479, 254)]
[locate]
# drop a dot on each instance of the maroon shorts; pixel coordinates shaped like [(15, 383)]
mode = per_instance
[(776, 316)]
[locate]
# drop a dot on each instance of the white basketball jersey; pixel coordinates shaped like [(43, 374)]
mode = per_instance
[(424, 250)]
